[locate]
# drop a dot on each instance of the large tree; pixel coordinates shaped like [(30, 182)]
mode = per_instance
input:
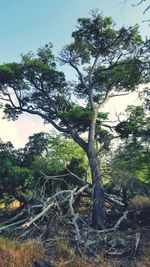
[(108, 62)]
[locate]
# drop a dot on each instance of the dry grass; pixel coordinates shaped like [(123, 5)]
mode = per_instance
[(140, 202), (144, 263), (77, 261), (66, 257), (15, 254)]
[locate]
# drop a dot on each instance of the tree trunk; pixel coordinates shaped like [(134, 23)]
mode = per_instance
[(98, 207)]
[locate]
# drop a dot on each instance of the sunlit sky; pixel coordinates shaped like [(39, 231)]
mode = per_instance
[(26, 25)]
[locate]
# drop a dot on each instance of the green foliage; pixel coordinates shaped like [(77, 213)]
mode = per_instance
[(9, 72), (118, 56), (144, 96), (14, 179), (24, 171), (96, 35), (136, 125), (104, 137), (130, 166), (62, 155), (36, 146), (124, 76), (79, 117)]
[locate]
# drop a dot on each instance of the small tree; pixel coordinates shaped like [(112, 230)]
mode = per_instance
[(107, 61), (14, 179)]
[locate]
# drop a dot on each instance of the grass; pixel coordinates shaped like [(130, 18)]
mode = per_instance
[(144, 263), (16, 254), (66, 257)]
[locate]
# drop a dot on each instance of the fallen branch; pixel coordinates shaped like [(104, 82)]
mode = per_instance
[(16, 217), (12, 224), (27, 224), (114, 202)]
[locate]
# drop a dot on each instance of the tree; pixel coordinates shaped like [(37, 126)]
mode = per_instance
[(14, 179), (108, 62), (131, 162), (36, 146), (130, 170)]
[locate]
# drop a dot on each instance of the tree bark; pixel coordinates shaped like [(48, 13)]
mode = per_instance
[(98, 207)]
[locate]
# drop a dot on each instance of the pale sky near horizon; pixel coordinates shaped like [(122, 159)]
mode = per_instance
[(26, 25)]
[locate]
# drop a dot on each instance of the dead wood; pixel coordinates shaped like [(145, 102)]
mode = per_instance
[(33, 220), (46, 217), (18, 216), (137, 241), (124, 217), (12, 225), (114, 202)]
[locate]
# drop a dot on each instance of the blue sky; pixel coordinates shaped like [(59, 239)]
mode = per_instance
[(26, 25)]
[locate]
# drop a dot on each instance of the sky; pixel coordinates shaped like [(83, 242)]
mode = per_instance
[(26, 25)]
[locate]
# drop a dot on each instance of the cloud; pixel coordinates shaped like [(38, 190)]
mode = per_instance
[(18, 131), (119, 104)]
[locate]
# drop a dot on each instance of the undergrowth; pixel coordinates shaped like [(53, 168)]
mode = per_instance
[(16, 254)]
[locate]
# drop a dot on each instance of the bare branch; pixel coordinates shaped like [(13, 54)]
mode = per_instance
[(27, 224), (123, 94), (108, 126), (12, 224), (52, 203), (79, 73), (74, 219)]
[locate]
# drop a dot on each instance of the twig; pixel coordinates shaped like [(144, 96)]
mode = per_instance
[(78, 178), (120, 220), (137, 241), (114, 229), (12, 224)]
